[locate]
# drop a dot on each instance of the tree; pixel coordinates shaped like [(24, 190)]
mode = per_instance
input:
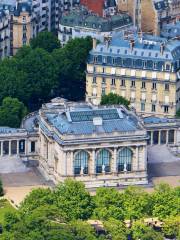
[(116, 229), (136, 203), (165, 201), (37, 198), (72, 197), (171, 227), (1, 188), (108, 204), (71, 65), (46, 40), (12, 112), (141, 231), (82, 230), (113, 99)]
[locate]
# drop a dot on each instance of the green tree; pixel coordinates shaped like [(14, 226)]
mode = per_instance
[(113, 99), (1, 188), (11, 112), (108, 204), (72, 197), (116, 229), (82, 230), (136, 203), (37, 198), (46, 40), (71, 64), (165, 201), (140, 230), (171, 226)]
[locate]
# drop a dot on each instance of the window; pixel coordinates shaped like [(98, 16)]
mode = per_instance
[(81, 163), (113, 81), (143, 107), (143, 85), (33, 146), (154, 86), (123, 82), (153, 108), (166, 109), (103, 80), (166, 87), (94, 79), (133, 84), (103, 91), (103, 161), (124, 160), (144, 64)]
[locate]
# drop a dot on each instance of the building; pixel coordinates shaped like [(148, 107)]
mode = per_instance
[(102, 8), (101, 146), (143, 69), (4, 34), (151, 15), (171, 31), (82, 23), (104, 146)]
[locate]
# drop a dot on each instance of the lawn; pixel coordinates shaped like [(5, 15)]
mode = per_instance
[(5, 206)]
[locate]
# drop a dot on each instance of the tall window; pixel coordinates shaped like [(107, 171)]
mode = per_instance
[(143, 85), (124, 160), (103, 161), (81, 163), (142, 106)]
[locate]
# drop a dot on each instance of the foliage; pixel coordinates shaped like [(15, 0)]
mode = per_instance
[(12, 112), (5, 207), (113, 99), (37, 198), (75, 201), (108, 204), (171, 226), (116, 229), (141, 231), (165, 201), (71, 66), (46, 40)]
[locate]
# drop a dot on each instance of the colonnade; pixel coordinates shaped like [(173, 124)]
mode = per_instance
[(12, 147), (167, 136)]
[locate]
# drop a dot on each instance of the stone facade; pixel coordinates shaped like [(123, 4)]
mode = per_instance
[(137, 70)]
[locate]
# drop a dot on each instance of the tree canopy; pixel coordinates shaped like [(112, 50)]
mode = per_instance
[(113, 99), (46, 40), (12, 112)]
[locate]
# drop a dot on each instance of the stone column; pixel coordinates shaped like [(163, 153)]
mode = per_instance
[(9, 147), (136, 160), (93, 160), (159, 137), (71, 164), (17, 147), (114, 162), (1, 148), (151, 138), (167, 136)]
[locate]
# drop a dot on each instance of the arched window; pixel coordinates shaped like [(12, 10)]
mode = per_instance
[(124, 160), (81, 162), (103, 161)]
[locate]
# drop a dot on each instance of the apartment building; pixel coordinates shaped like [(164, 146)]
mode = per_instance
[(82, 23), (143, 69), (151, 15), (4, 34)]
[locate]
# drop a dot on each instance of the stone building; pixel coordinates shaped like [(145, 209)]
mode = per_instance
[(144, 69), (151, 15), (101, 146), (4, 34), (82, 23)]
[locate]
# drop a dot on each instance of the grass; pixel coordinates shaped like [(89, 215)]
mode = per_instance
[(5, 207)]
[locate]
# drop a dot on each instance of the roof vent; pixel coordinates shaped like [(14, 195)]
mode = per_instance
[(97, 121)]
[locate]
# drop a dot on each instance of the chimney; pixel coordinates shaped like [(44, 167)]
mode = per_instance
[(162, 48), (131, 42), (94, 43)]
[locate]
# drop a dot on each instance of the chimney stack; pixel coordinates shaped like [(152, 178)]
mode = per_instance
[(162, 48), (132, 43)]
